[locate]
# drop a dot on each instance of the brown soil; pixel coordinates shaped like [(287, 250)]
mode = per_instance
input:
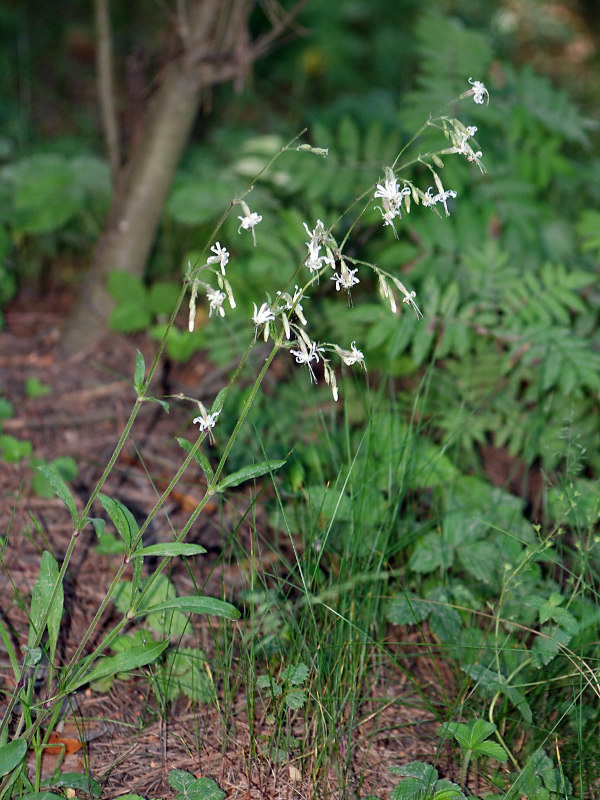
[(128, 746)]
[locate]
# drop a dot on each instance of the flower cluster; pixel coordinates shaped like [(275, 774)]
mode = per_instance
[(392, 198), (282, 318), (215, 297)]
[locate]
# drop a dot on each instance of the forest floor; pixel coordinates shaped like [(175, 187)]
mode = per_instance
[(119, 735)]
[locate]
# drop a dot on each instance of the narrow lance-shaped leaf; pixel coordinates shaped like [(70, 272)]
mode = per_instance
[(40, 604), (128, 530), (140, 372), (194, 605), (248, 473), (170, 549), (199, 458), (60, 489), (130, 659)]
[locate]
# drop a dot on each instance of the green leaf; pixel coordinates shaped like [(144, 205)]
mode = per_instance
[(40, 602), (11, 755), (163, 403), (267, 682), (75, 780), (547, 645), (493, 750), (199, 458), (170, 549), (14, 450), (295, 698), (407, 609), (140, 372), (64, 466), (60, 489), (128, 660), (35, 388), (122, 518), (248, 473), (129, 317), (194, 605), (191, 788), (295, 675)]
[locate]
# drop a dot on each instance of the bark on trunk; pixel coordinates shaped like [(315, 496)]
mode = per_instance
[(210, 35)]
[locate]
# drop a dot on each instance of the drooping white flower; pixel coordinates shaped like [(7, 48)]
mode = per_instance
[(206, 421), (442, 197), (221, 256), (391, 197), (352, 356), (306, 354), (292, 303), (249, 221), (345, 278), (263, 316), (479, 92), (216, 299)]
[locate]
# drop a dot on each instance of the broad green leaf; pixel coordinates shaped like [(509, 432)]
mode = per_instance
[(40, 602), (248, 473), (140, 372), (11, 755), (128, 660), (491, 749), (192, 788), (547, 645), (170, 549), (267, 682), (14, 450), (295, 675), (295, 698), (199, 458), (194, 605), (60, 489), (407, 609)]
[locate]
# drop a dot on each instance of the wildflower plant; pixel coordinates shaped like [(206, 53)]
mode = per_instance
[(283, 321)]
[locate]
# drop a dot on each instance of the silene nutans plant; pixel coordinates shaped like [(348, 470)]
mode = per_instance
[(41, 683)]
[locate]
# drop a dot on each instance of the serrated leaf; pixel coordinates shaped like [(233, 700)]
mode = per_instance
[(199, 458), (60, 489), (194, 605), (267, 682), (295, 675), (407, 609), (295, 698), (128, 660), (140, 372), (249, 473), (11, 755), (170, 549), (548, 645)]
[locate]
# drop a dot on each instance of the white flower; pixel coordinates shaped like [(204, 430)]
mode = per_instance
[(409, 299), (317, 236), (479, 92), (206, 421), (249, 221), (263, 316), (292, 303), (391, 197), (221, 256), (442, 197), (346, 278), (306, 354), (352, 356), (215, 301)]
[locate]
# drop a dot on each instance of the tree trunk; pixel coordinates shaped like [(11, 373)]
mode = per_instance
[(214, 38)]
